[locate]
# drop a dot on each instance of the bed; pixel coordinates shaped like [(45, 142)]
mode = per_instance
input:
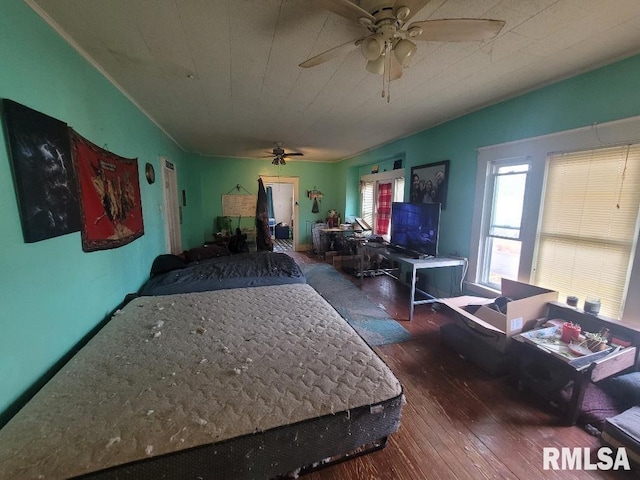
[(230, 271), (235, 384)]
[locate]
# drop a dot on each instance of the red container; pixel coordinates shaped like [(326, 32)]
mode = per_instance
[(570, 331)]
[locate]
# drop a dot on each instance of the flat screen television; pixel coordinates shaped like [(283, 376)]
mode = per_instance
[(415, 228)]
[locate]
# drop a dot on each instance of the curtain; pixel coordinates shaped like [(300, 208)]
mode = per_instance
[(263, 238), (384, 208)]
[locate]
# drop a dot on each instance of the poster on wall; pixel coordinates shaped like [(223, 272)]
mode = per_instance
[(429, 183), (45, 182), (110, 196)]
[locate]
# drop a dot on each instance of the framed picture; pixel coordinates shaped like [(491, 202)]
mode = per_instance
[(45, 182), (429, 183)]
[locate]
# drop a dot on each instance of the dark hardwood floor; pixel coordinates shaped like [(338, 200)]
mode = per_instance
[(459, 422)]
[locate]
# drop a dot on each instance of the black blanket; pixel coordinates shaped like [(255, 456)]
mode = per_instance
[(243, 270)]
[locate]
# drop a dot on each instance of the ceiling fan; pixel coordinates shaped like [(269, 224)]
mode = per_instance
[(279, 155), (388, 45)]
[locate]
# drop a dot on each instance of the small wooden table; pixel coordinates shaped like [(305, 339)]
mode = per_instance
[(582, 370)]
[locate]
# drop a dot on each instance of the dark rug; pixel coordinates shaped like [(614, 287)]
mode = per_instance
[(370, 321)]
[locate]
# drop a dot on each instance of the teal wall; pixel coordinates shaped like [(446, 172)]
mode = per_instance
[(605, 94), (52, 292), (218, 176)]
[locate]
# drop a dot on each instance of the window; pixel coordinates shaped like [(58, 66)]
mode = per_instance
[(588, 226), (377, 191), (562, 211), (502, 238)]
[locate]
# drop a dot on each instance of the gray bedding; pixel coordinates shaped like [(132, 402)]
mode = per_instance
[(173, 378), (235, 271)]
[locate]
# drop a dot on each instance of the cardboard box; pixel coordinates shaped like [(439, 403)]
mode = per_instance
[(528, 304)]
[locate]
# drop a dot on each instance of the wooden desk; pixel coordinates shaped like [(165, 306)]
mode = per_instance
[(533, 349), (333, 232), (414, 264)]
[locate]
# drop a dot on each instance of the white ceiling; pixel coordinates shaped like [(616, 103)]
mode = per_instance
[(221, 77)]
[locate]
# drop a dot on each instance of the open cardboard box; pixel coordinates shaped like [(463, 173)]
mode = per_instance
[(528, 304)]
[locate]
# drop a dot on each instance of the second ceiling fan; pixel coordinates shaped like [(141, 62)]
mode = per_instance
[(278, 153), (389, 43)]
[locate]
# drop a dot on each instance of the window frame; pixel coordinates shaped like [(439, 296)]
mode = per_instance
[(537, 150), (492, 174), (383, 177)]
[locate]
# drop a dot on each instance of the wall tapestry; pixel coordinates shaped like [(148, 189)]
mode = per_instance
[(110, 193), (45, 182), (429, 183)]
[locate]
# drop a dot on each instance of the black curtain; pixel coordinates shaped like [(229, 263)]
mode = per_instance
[(263, 235)]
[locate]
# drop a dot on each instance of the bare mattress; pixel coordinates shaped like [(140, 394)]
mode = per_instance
[(240, 383)]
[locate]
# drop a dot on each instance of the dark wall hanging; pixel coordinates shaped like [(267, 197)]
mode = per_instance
[(429, 183), (45, 182), (110, 192)]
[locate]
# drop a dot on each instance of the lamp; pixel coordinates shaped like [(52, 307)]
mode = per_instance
[(376, 66), (404, 50), (372, 46)]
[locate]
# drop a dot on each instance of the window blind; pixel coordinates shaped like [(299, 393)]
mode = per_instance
[(367, 201), (589, 225)]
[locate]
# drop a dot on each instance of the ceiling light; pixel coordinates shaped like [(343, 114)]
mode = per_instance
[(372, 46), (404, 50), (376, 66)]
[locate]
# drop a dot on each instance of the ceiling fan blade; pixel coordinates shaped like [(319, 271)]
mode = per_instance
[(346, 9), (294, 154), (457, 30), (331, 53), (414, 7)]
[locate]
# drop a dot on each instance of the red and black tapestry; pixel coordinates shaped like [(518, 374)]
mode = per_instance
[(110, 196)]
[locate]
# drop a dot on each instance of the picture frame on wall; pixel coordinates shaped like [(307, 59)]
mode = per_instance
[(429, 183), (44, 177)]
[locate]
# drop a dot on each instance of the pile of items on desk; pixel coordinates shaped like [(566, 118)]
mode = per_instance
[(584, 364)]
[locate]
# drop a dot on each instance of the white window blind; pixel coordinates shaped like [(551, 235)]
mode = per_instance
[(398, 189), (589, 225), (367, 202)]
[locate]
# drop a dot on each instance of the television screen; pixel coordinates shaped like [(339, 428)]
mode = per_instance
[(415, 227)]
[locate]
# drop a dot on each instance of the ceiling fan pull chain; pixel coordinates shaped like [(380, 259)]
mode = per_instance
[(388, 67)]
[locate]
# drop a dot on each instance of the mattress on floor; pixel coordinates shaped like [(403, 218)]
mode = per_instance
[(623, 430), (240, 383)]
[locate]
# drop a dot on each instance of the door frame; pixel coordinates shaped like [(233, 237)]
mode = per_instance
[(295, 181), (172, 209)]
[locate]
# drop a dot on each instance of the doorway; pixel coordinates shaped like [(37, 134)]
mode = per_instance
[(285, 231), (171, 207)]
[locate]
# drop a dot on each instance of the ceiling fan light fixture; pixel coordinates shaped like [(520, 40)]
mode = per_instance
[(402, 13), (414, 31), (372, 46), (376, 66), (404, 50)]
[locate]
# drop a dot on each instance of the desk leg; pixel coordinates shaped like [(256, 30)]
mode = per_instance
[(413, 292), (361, 248), (575, 403)]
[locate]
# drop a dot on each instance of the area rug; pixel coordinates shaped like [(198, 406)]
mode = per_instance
[(371, 322)]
